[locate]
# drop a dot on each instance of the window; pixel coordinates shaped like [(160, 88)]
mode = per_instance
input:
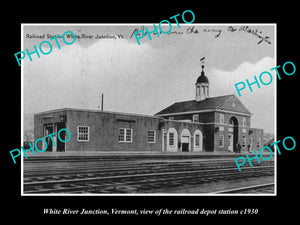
[(196, 118), (125, 135), (221, 118), (171, 118), (83, 133), (258, 142), (202, 91), (221, 141), (121, 135), (171, 139), (206, 91), (244, 121), (198, 90), (128, 135), (244, 141), (151, 136), (197, 140)]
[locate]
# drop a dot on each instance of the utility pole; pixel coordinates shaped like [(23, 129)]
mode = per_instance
[(102, 102), (101, 99)]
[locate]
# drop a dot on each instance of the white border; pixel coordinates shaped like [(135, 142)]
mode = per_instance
[(150, 24)]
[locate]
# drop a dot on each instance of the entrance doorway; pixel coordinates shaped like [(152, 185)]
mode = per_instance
[(48, 129), (185, 140), (234, 123), (185, 143), (61, 146)]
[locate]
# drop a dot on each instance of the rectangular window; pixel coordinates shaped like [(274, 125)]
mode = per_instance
[(125, 135), (171, 118), (83, 133), (196, 118), (258, 142), (221, 118), (151, 136), (128, 135), (121, 135), (221, 141), (244, 121), (171, 139), (244, 141), (197, 140)]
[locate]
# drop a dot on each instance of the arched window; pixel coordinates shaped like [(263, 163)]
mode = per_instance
[(198, 90), (202, 91), (172, 140), (198, 141)]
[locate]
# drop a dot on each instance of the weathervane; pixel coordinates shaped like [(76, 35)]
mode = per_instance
[(202, 62)]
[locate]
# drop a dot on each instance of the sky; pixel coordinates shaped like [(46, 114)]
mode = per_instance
[(146, 78)]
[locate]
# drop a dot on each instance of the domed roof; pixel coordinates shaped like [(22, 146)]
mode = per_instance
[(202, 78)]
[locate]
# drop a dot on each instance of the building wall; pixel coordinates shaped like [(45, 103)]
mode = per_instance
[(205, 117), (50, 118), (243, 131), (212, 128), (207, 129), (180, 127), (104, 131), (257, 137)]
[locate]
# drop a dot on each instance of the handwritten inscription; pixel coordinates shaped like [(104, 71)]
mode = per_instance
[(253, 31), (216, 32)]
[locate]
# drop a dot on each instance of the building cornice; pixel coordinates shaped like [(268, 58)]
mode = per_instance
[(204, 111)]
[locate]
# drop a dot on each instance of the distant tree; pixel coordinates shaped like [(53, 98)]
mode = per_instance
[(269, 144), (28, 135)]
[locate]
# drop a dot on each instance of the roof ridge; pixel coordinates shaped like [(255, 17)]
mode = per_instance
[(220, 96), (213, 103), (221, 103)]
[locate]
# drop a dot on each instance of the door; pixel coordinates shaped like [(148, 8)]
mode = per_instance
[(251, 143), (230, 142), (234, 123), (185, 143), (60, 145), (48, 129)]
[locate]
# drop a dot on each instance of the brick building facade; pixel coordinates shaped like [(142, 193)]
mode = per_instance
[(204, 124)]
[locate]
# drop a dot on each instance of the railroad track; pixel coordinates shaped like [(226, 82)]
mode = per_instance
[(254, 189), (141, 182), (125, 157), (125, 167), (137, 177)]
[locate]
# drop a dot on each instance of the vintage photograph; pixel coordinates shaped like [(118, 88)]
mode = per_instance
[(106, 111)]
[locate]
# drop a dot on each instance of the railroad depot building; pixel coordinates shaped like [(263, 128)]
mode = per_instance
[(210, 124)]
